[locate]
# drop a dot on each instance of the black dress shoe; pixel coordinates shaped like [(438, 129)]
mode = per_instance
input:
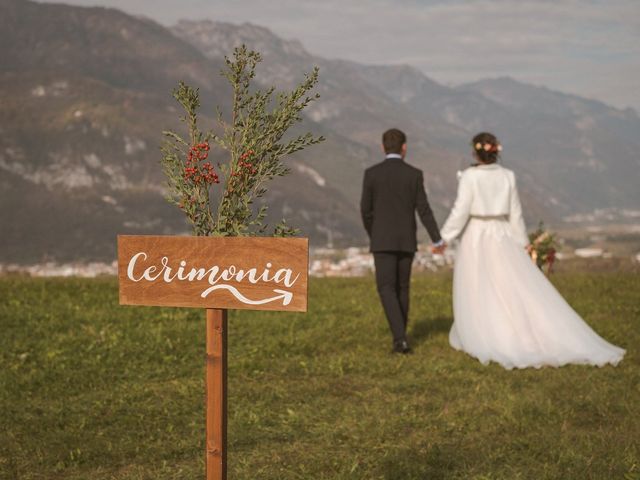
[(401, 346)]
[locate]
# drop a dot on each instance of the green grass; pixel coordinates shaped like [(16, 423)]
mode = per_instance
[(92, 390)]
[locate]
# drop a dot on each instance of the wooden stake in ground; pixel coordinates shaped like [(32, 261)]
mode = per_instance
[(216, 394), (215, 273)]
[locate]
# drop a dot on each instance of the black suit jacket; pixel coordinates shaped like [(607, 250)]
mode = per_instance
[(392, 192)]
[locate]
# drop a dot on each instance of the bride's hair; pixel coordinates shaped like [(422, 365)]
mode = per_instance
[(487, 147)]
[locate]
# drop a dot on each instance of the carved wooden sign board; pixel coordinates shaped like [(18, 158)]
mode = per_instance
[(215, 273)]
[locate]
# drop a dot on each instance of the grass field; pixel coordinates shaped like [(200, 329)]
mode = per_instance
[(92, 390)]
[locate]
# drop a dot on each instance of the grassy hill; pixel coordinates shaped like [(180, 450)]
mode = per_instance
[(92, 390)]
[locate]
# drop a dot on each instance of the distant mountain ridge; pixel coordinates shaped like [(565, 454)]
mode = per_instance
[(85, 93), (559, 143)]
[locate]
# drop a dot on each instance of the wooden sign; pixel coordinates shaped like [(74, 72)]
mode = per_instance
[(215, 273), (256, 273)]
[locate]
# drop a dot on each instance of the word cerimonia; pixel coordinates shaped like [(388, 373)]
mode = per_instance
[(214, 275)]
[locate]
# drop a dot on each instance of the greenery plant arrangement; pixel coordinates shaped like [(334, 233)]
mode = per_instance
[(253, 139)]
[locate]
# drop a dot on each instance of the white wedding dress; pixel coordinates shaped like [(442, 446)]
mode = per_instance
[(505, 309)]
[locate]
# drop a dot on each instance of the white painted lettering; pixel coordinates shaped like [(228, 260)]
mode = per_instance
[(213, 276), (132, 264)]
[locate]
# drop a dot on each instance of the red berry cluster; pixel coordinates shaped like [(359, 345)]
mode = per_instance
[(200, 173), (199, 151), (245, 168), (245, 164)]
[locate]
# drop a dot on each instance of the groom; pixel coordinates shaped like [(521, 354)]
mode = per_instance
[(391, 194)]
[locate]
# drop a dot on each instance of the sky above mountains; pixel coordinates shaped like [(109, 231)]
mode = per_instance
[(586, 47)]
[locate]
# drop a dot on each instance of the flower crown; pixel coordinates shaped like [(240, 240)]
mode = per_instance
[(488, 147)]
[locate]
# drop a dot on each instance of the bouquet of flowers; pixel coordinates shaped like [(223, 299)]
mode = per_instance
[(542, 248)]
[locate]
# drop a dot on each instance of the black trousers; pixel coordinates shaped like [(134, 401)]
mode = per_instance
[(393, 274)]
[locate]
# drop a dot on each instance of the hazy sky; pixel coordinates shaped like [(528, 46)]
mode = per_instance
[(587, 47)]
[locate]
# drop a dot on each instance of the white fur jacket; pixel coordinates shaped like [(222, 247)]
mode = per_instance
[(486, 191)]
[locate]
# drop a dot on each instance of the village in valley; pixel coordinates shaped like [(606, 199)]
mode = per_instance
[(587, 244)]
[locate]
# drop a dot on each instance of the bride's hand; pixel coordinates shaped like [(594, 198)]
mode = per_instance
[(438, 250)]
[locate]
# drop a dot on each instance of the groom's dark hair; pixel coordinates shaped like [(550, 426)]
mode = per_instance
[(392, 140)]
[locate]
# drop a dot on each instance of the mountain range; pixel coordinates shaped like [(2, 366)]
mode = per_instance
[(86, 92)]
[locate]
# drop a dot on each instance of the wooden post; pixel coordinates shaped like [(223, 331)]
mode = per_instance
[(216, 394), (205, 272)]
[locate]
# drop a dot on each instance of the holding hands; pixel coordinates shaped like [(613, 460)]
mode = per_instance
[(438, 248)]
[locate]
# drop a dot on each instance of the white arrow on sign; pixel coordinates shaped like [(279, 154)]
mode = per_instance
[(282, 294)]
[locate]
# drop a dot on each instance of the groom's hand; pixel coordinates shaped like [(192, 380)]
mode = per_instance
[(438, 249)]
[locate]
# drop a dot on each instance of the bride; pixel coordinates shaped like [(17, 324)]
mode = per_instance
[(505, 309)]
